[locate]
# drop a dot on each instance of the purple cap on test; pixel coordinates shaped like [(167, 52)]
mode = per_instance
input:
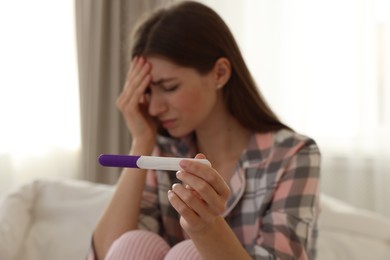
[(119, 160)]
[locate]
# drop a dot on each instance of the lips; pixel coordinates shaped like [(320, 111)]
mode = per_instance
[(168, 123)]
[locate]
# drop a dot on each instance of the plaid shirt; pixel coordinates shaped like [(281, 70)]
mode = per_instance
[(274, 202)]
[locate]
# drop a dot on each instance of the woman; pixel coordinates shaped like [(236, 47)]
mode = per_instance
[(189, 93)]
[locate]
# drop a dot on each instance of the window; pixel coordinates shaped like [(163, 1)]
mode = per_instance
[(39, 105), (324, 67)]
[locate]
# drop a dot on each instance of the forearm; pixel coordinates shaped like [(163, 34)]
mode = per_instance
[(219, 242), (121, 214)]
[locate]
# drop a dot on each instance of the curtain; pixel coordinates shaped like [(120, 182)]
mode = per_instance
[(39, 108), (103, 29), (324, 67)]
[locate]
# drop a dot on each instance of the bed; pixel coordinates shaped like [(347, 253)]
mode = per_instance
[(54, 218)]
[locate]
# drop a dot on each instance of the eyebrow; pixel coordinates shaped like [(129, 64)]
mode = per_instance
[(161, 81)]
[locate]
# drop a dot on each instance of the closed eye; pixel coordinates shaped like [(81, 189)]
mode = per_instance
[(171, 88)]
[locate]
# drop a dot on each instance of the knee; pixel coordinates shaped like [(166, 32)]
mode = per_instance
[(183, 250), (138, 244), (134, 237)]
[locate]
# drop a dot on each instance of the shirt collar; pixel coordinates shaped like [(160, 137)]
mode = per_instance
[(253, 156)]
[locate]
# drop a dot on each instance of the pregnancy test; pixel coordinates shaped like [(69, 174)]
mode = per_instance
[(145, 162)]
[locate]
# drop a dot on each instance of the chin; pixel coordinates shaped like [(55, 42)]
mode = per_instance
[(178, 133)]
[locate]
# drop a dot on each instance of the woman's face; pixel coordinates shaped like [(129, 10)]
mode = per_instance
[(180, 98)]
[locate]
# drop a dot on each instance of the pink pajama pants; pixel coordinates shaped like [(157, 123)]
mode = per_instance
[(146, 245)]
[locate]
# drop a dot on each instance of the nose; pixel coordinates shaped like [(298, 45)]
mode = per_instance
[(157, 104)]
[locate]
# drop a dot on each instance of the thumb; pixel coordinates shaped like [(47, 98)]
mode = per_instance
[(200, 156)]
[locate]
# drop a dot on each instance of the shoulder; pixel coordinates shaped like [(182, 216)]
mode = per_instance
[(288, 138), (297, 154), (281, 144), (279, 139)]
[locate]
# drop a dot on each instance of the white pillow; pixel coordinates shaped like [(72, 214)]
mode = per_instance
[(15, 218), (346, 232), (338, 215), (51, 219)]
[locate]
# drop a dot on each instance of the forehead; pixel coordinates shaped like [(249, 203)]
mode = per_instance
[(163, 67), (162, 63)]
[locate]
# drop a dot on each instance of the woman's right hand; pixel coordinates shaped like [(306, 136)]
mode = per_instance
[(121, 214), (133, 102)]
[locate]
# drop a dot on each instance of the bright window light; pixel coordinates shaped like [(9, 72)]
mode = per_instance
[(39, 102)]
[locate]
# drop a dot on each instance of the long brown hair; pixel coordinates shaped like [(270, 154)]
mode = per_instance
[(193, 35)]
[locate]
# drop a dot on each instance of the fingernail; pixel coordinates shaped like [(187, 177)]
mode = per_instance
[(183, 163)]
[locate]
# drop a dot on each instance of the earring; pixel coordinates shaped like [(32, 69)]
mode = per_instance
[(219, 86)]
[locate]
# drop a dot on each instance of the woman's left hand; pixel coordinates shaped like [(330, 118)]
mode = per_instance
[(201, 198)]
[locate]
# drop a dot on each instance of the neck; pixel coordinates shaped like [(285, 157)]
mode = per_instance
[(223, 141)]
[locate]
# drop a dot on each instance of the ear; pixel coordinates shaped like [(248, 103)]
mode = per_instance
[(222, 71)]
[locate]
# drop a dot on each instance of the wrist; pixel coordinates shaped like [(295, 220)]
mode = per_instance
[(209, 230), (143, 147), (218, 241)]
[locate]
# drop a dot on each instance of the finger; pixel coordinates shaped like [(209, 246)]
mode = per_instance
[(190, 204), (135, 67), (197, 156), (141, 72), (204, 191), (135, 87), (200, 156), (208, 174), (132, 70), (191, 219), (181, 207), (137, 76)]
